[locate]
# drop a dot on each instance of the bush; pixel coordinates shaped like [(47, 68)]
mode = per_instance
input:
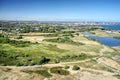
[(67, 67), (56, 61), (3, 64), (49, 35), (81, 56), (32, 64), (19, 37), (43, 60), (59, 70), (75, 67), (19, 64)]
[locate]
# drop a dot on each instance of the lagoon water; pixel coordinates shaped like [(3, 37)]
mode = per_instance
[(113, 27), (108, 41)]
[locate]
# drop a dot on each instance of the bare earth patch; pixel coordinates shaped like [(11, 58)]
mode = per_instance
[(34, 38)]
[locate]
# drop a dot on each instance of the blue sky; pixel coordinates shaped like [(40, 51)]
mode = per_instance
[(85, 10)]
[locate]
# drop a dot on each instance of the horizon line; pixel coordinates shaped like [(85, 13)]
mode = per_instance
[(60, 20)]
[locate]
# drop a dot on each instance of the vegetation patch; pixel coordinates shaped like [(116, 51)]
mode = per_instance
[(110, 54), (117, 37), (66, 67), (4, 39), (118, 76), (49, 35), (43, 72), (64, 40), (81, 56), (75, 67), (55, 48), (19, 37), (7, 69), (20, 59), (59, 70)]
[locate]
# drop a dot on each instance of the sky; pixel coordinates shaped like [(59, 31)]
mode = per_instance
[(55, 10)]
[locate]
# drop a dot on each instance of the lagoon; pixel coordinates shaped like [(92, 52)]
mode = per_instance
[(108, 41), (113, 27)]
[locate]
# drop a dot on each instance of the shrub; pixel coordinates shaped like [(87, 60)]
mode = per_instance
[(19, 37), (56, 61), (59, 70), (67, 67), (3, 64), (43, 60), (19, 64), (32, 64), (49, 35), (75, 67)]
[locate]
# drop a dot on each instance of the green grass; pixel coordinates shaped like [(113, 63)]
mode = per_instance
[(110, 54), (49, 35), (81, 56), (14, 55), (34, 51), (91, 48), (65, 40), (51, 47)]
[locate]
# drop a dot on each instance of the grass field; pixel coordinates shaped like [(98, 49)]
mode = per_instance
[(61, 53), (54, 51)]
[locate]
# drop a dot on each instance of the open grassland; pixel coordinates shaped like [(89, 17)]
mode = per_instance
[(90, 46), (57, 53), (65, 46), (64, 49), (104, 33)]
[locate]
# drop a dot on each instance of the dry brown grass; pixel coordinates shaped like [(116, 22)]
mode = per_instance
[(110, 62)]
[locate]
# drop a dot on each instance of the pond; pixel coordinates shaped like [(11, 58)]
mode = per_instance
[(108, 41)]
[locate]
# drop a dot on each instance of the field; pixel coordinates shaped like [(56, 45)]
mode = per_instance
[(42, 56)]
